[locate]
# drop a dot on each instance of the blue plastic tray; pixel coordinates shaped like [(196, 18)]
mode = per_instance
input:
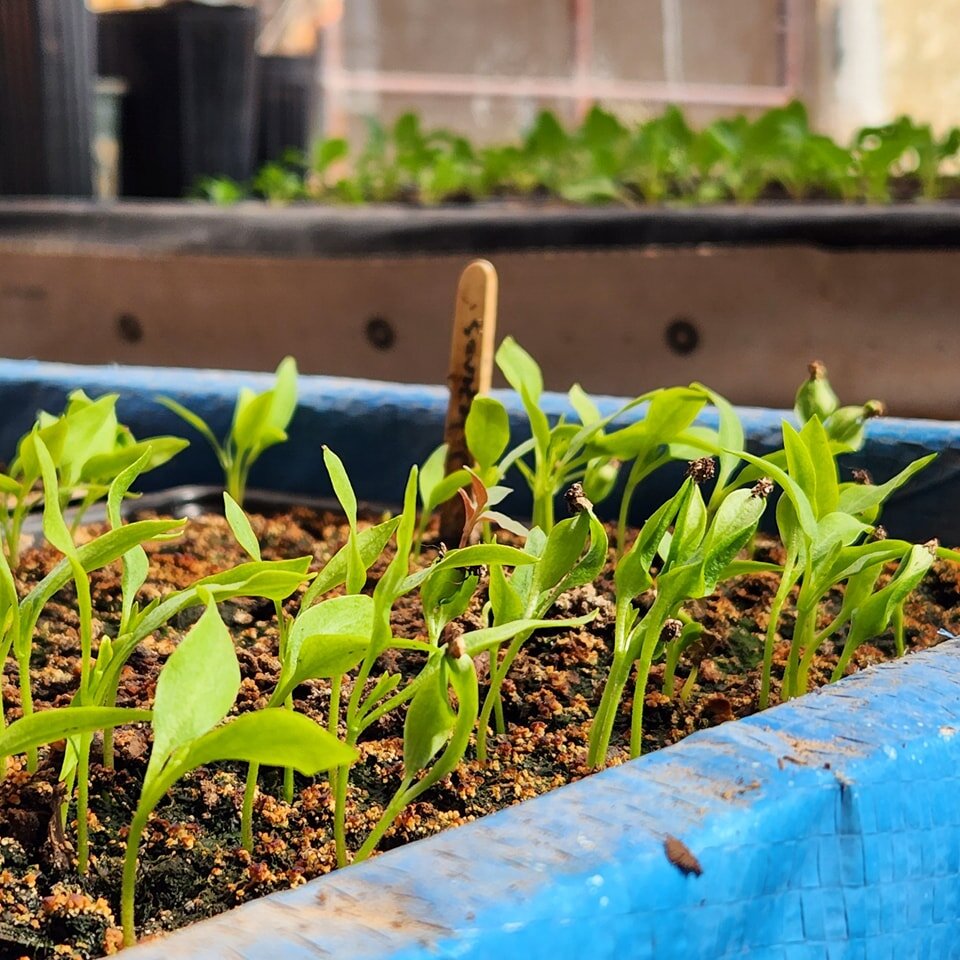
[(825, 828)]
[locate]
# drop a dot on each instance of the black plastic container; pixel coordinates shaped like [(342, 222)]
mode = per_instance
[(190, 108), (46, 97), (287, 108)]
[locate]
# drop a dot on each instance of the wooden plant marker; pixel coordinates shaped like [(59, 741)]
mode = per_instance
[(470, 373)]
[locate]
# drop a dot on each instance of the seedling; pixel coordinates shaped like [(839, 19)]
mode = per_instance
[(260, 421), (606, 160), (88, 447), (196, 689), (698, 555)]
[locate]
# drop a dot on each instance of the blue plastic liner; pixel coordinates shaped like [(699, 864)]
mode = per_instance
[(825, 828), (380, 429)]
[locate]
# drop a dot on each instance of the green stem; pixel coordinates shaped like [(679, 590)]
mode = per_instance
[(622, 518), (898, 629), (83, 805), (806, 649), (26, 703), (543, 509), (340, 814), (246, 815), (129, 888), (498, 672), (636, 715), (602, 728), (786, 584), (686, 691), (394, 809)]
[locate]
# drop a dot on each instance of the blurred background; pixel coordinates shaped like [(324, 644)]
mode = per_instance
[(236, 83), (841, 235)]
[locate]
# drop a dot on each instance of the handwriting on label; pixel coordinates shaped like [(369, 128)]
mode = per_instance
[(463, 387)]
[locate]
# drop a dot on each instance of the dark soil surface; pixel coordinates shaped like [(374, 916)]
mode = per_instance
[(191, 862)]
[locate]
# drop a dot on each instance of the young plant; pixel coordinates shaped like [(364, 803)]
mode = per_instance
[(88, 448), (564, 453), (345, 634), (260, 421), (571, 554), (698, 555), (196, 689), (823, 525)]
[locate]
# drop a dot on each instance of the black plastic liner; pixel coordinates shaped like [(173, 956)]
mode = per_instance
[(256, 229), (190, 109), (46, 97)]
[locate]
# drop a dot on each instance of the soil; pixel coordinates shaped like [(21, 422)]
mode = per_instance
[(191, 864)]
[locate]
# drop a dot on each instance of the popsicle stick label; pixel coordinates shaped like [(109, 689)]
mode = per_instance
[(470, 372)]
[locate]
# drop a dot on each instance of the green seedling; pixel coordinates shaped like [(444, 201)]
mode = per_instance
[(572, 554), (605, 160), (562, 454), (823, 525), (88, 447), (698, 554), (260, 421), (195, 691)]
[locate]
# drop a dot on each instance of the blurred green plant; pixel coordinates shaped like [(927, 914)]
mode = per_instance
[(604, 160)]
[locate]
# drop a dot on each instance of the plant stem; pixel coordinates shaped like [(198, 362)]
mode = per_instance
[(498, 671), (340, 814), (393, 810), (83, 787), (686, 691), (783, 590), (898, 629), (26, 703), (128, 890), (636, 715), (246, 815), (602, 727)]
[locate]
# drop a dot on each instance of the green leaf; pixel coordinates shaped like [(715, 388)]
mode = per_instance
[(348, 615), (805, 515), (157, 450), (54, 528), (284, 395), (341, 485), (48, 726), (240, 525), (476, 642), (253, 430), (520, 369), (431, 473), (195, 421), (799, 463), (276, 578), (690, 526), (428, 724), (730, 434), (371, 543), (565, 543), (487, 430), (477, 555), (273, 737), (504, 599), (632, 574), (446, 595), (733, 525), (875, 614), (587, 410), (861, 497), (824, 465), (196, 688), (9, 486)]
